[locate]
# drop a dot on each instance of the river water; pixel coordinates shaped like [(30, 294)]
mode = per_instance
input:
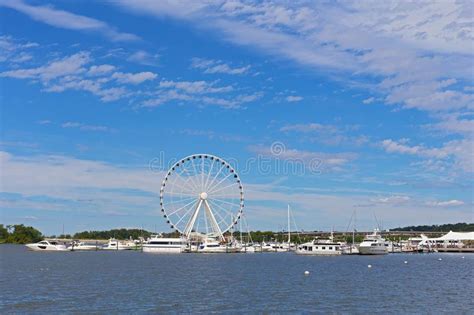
[(136, 282)]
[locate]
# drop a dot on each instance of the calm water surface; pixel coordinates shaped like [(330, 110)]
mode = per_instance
[(135, 282)]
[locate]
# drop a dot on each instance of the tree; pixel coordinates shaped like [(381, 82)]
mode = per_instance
[(24, 234), (3, 234)]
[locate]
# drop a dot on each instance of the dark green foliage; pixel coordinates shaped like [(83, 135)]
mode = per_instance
[(456, 227), (3, 234), (19, 234), (120, 234)]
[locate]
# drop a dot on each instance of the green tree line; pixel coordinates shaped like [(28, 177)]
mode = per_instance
[(456, 227), (19, 234)]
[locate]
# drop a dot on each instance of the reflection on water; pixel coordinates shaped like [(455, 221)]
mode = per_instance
[(129, 281)]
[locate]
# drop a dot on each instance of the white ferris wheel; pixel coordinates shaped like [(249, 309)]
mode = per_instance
[(202, 193)]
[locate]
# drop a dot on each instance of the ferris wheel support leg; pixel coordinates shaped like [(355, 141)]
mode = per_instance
[(212, 218), (189, 227)]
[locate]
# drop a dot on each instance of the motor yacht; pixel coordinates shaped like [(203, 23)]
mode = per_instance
[(158, 244), (114, 244), (213, 246), (78, 245), (47, 245), (321, 247), (373, 244)]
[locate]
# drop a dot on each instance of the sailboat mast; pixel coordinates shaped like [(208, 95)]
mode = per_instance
[(289, 233)]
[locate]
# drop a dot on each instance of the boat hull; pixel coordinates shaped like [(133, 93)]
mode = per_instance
[(46, 248), (372, 250), (318, 253), (162, 250)]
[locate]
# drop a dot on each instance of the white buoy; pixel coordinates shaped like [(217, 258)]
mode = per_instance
[(462, 257), (439, 259), (406, 262), (306, 272), (369, 266)]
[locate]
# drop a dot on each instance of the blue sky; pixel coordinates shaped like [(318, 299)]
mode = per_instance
[(375, 100)]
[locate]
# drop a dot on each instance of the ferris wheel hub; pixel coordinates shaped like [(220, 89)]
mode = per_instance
[(203, 195)]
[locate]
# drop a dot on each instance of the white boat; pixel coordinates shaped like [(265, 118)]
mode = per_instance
[(321, 247), (158, 244), (78, 245), (213, 246), (46, 245), (373, 244), (114, 244), (350, 249), (248, 248)]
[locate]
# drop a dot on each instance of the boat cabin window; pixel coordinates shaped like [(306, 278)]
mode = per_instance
[(324, 247), (330, 247)]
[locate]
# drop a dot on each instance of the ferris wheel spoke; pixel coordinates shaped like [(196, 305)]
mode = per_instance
[(220, 189), (215, 176), (221, 220), (184, 181), (186, 205), (185, 215), (209, 174), (226, 202), (202, 174), (195, 172), (180, 194), (210, 189), (190, 178), (180, 200), (182, 188), (220, 207)]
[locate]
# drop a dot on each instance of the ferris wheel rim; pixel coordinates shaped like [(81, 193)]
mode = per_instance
[(214, 201)]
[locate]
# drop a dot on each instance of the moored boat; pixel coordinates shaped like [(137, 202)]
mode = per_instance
[(47, 245), (373, 244), (158, 244)]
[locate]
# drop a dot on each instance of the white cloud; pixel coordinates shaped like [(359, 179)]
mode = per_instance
[(144, 58), (312, 127), (328, 134), (396, 199), (134, 78), (67, 20), (448, 203), (455, 154), (15, 51), (369, 100), (217, 66), (85, 127), (100, 70), (73, 64), (294, 98), (315, 162), (417, 55), (196, 87), (92, 186)]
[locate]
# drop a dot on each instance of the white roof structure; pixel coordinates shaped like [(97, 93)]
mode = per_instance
[(456, 236)]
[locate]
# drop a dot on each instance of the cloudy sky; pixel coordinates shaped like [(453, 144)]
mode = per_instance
[(331, 107)]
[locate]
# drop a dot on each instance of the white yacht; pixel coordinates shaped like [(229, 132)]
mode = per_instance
[(373, 244), (157, 244), (264, 247), (78, 245), (46, 245), (248, 248), (213, 246), (321, 247), (114, 244)]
